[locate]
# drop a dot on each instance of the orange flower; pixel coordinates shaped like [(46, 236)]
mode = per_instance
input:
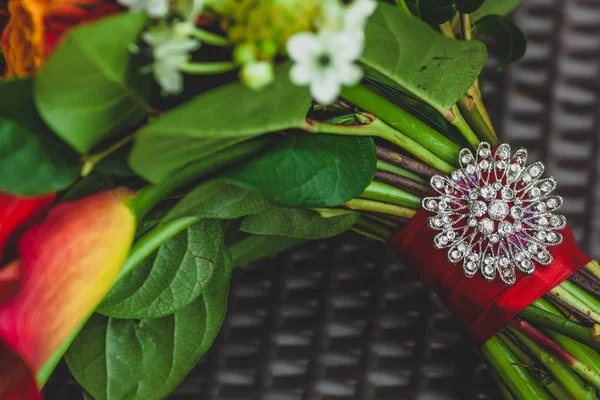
[(68, 262), (35, 27)]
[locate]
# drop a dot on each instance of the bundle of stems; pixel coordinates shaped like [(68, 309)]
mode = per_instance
[(550, 351)]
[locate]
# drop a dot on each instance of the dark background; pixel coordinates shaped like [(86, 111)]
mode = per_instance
[(343, 320)]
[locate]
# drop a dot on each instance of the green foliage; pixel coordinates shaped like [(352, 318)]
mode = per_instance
[(115, 358), (437, 12), (511, 42), (220, 200), (310, 170), (90, 88), (32, 160), (216, 120), (468, 6), (171, 278), (406, 53), (495, 7), (297, 223)]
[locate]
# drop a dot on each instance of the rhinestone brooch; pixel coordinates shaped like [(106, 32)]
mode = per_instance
[(496, 214)]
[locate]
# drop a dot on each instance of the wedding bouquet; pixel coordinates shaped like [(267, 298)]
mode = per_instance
[(150, 147)]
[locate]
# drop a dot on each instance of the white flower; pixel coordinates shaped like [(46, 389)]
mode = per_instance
[(170, 51), (154, 8), (351, 18), (325, 61)]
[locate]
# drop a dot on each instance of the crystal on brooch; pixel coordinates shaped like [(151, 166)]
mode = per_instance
[(496, 214)]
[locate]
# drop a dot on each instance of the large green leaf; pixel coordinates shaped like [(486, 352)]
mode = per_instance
[(32, 164), (297, 223), (219, 200), (115, 359), (32, 160), (171, 278), (511, 42), (405, 52), (310, 170), (215, 120), (434, 11), (495, 7), (468, 6), (88, 89)]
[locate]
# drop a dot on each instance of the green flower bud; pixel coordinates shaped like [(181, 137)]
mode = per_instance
[(257, 75)]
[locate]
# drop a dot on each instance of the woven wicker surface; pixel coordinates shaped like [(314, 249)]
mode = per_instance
[(343, 319)]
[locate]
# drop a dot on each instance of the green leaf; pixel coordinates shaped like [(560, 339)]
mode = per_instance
[(511, 42), (310, 170), (297, 223), (88, 88), (219, 200), (33, 164), (171, 278), (437, 11), (256, 247), (406, 53), (32, 160), (216, 120), (495, 7), (89, 185), (468, 6), (114, 359)]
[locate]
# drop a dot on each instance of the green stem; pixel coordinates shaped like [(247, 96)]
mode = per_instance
[(454, 116), (151, 195), (389, 194), (548, 381), (383, 208), (594, 268), (207, 68), (90, 161), (471, 111), (516, 377), (376, 127), (387, 167), (373, 229), (502, 386), (569, 379), (465, 23), (209, 37), (404, 122), (581, 294), (574, 302), (546, 319), (582, 352)]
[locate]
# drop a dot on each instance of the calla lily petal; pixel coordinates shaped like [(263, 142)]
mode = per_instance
[(69, 262)]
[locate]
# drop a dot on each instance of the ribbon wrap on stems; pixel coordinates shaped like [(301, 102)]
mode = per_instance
[(482, 307)]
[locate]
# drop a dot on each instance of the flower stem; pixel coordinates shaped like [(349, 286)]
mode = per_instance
[(209, 38), (390, 194), (561, 371), (392, 169), (582, 295), (407, 163), (542, 318), (403, 183), (550, 349), (207, 68), (594, 268), (517, 378), (502, 386), (379, 207), (376, 127), (151, 195), (568, 298), (373, 229), (404, 122), (472, 113), (90, 161), (454, 116)]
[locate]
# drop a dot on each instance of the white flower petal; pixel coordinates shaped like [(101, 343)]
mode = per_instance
[(325, 91), (301, 74), (302, 46), (169, 79), (358, 13), (156, 8), (349, 74), (347, 45)]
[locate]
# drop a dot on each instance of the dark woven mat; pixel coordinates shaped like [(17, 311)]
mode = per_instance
[(344, 320)]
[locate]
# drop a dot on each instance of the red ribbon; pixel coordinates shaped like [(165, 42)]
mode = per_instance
[(482, 307)]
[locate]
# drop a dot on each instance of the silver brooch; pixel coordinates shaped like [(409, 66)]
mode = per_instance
[(495, 213)]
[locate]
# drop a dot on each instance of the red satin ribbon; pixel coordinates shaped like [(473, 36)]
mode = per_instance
[(482, 307)]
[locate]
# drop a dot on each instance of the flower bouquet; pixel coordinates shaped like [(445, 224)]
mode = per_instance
[(150, 147)]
